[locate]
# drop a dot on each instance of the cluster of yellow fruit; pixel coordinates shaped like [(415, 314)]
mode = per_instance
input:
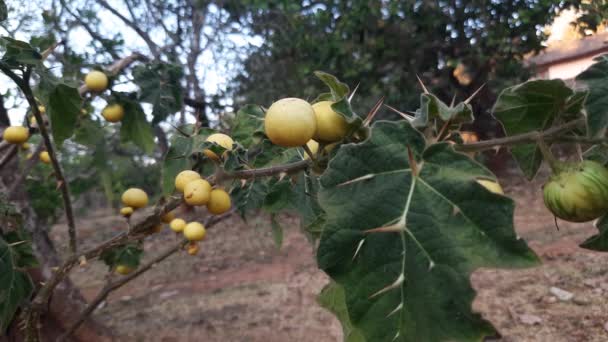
[(197, 191), (97, 81), (292, 122)]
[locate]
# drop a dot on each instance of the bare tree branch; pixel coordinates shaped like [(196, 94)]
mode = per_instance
[(25, 171)]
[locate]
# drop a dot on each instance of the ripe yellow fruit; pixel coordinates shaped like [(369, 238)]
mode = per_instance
[(25, 146), (96, 81), (290, 122), (135, 198), (177, 225), (194, 231), (469, 137), (313, 146), (29, 156), (126, 211), (123, 269), (16, 134), (197, 192), (113, 113), (219, 202), (184, 178), (331, 126), (33, 121), (42, 109), (45, 157), (193, 248), (491, 186), (220, 139), (168, 217)]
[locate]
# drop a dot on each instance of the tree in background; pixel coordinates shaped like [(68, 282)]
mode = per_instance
[(455, 47)]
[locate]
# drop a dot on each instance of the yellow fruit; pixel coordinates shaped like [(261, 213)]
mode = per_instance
[(96, 81), (168, 217), (219, 202), (126, 211), (197, 192), (113, 113), (313, 146), (491, 186), (29, 156), (135, 198), (290, 122), (45, 157), (33, 121), (193, 248), (123, 269), (157, 229), (42, 109), (177, 225), (25, 146), (469, 137), (194, 231), (331, 126), (220, 139), (16, 134), (184, 178)]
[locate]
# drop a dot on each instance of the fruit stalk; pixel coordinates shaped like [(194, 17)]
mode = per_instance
[(556, 165)]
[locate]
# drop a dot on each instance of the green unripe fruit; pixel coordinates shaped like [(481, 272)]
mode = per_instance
[(579, 193)]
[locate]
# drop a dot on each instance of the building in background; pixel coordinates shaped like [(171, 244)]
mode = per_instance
[(568, 53)]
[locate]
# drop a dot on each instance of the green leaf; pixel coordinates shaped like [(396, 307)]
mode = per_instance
[(249, 197), (596, 79), (128, 255), (17, 52), (531, 106), (176, 160), (160, 85), (248, 126), (332, 299), (598, 153), (412, 284), (432, 108), (63, 107), (598, 242), (16, 255), (277, 231), (136, 128), (338, 89)]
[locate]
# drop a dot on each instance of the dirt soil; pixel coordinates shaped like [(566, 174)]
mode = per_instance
[(241, 288)]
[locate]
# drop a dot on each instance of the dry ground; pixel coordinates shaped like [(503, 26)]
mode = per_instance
[(241, 288)]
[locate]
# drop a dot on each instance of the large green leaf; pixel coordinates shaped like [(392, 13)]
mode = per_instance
[(160, 85), (136, 128), (531, 106), (596, 78), (63, 107), (17, 52), (412, 283), (598, 242)]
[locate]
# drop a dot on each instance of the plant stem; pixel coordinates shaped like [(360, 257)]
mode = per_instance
[(23, 84), (553, 162), (525, 138)]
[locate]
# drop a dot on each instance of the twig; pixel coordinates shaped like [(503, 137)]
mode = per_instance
[(265, 172), (530, 137), (112, 286), (117, 67), (12, 151)]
